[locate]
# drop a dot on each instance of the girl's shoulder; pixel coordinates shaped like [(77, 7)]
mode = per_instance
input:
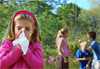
[(6, 42), (6, 45), (36, 46), (61, 39), (78, 51)]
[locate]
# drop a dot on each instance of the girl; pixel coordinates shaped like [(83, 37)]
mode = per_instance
[(63, 48), (83, 56), (23, 31)]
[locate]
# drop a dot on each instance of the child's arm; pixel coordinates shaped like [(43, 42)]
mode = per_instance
[(82, 59), (35, 58), (61, 47), (8, 56)]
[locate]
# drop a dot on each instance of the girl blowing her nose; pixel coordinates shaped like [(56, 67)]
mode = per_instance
[(22, 49)]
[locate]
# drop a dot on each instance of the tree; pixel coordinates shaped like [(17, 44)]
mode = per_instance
[(69, 14), (4, 18), (1, 1)]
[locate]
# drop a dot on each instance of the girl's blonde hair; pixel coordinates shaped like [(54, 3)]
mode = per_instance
[(23, 14)]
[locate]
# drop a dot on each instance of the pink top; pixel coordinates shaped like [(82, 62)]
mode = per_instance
[(12, 58), (62, 43)]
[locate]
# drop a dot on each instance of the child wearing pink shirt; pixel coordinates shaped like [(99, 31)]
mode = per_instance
[(22, 48), (63, 48)]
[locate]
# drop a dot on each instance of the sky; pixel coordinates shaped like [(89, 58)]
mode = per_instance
[(85, 4)]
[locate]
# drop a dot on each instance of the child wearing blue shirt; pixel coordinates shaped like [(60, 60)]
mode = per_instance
[(83, 55), (95, 48)]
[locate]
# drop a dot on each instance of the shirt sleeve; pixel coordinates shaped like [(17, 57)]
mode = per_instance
[(92, 45), (77, 54), (8, 55)]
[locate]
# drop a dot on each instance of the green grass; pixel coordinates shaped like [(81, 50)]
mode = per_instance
[(73, 64)]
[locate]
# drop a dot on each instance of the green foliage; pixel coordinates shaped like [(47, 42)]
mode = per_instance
[(49, 51), (68, 14), (5, 14)]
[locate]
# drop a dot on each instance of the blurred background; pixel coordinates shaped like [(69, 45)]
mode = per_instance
[(80, 16)]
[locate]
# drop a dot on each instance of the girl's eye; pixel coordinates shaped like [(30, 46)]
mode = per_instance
[(18, 28), (27, 29)]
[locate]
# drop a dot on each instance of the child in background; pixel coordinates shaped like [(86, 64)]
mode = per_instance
[(95, 48), (22, 49), (83, 55), (63, 48)]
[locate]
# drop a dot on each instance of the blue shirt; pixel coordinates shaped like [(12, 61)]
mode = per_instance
[(96, 50), (82, 54)]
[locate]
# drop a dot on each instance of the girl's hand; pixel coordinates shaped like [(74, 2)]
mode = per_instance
[(19, 47), (81, 59), (87, 66)]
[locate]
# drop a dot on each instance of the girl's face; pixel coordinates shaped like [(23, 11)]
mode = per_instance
[(65, 34), (83, 45), (24, 25)]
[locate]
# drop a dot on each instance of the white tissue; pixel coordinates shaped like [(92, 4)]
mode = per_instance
[(23, 41)]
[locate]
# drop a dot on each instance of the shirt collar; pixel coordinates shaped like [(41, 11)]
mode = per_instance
[(93, 42)]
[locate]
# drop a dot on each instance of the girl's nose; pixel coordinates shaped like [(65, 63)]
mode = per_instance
[(23, 30)]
